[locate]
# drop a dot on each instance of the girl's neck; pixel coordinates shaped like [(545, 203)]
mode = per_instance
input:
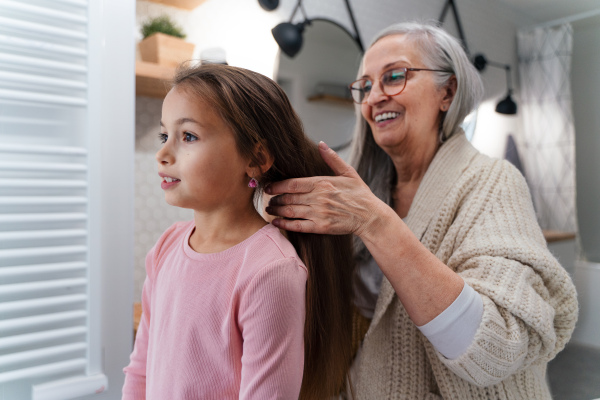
[(219, 230)]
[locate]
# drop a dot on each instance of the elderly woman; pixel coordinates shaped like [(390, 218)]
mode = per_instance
[(464, 299)]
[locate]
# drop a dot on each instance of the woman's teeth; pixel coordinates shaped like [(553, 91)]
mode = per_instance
[(167, 179), (386, 116)]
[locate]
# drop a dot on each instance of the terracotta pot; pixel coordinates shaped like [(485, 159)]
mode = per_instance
[(184, 4), (165, 50)]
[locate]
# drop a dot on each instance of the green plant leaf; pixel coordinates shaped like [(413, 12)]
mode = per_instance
[(162, 24)]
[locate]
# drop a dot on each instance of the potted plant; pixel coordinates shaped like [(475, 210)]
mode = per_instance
[(163, 42)]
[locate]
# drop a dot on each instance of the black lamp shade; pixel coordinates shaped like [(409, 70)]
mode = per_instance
[(507, 106), (289, 37), (268, 5), (479, 62)]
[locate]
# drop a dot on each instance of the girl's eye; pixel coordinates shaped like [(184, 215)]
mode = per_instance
[(188, 137), (162, 137)]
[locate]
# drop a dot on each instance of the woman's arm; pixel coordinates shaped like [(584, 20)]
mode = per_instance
[(271, 321), (344, 204), (529, 301)]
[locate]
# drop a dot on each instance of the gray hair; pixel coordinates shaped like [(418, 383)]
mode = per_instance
[(439, 50)]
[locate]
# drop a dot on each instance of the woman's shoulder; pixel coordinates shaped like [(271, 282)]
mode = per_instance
[(495, 173)]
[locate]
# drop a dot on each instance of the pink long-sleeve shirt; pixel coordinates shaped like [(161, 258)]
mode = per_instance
[(225, 325)]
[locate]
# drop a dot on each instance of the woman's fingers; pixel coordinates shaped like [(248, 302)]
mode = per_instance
[(285, 199), (335, 162), (297, 225), (295, 211), (333, 205), (307, 185), (297, 185)]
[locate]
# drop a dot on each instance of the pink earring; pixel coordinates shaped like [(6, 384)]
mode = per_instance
[(253, 183)]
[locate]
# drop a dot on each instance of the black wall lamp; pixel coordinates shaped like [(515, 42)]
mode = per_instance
[(289, 36), (506, 105)]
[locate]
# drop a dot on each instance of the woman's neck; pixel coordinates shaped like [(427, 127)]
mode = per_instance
[(411, 164), (221, 229)]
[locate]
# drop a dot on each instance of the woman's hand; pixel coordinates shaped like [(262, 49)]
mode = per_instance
[(335, 205)]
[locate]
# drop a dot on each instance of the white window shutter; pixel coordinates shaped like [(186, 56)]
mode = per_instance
[(49, 322)]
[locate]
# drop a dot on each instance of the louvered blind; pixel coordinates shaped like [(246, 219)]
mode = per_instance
[(44, 185)]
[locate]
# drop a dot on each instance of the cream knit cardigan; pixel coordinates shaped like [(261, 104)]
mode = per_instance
[(475, 214)]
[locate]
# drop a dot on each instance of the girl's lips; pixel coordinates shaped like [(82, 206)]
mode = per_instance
[(166, 185)]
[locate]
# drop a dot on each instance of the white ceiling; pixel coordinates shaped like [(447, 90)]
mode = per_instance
[(547, 10)]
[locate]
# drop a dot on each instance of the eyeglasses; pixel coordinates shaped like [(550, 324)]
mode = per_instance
[(392, 83)]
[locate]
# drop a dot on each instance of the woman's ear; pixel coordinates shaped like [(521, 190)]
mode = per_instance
[(448, 93), (262, 162)]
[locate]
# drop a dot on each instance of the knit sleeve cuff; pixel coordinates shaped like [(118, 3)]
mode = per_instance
[(453, 331)]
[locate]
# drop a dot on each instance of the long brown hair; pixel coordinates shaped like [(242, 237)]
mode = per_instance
[(259, 112)]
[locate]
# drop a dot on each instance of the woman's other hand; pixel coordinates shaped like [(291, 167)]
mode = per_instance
[(335, 205)]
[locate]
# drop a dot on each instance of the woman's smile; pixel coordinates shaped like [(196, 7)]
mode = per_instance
[(385, 118)]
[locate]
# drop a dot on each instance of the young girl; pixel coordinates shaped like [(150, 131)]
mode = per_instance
[(231, 309)]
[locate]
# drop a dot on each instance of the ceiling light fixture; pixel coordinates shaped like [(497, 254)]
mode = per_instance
[(507, 105), (289, 36)]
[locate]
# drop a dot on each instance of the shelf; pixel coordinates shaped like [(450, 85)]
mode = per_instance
[(152, 80), (329, 97), (184, 4), (557, 236), (137, 317)]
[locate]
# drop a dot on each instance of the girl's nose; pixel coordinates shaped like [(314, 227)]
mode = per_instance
[(165, 155)]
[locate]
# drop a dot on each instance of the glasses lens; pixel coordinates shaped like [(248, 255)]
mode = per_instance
[(393, 81), (360, 90)]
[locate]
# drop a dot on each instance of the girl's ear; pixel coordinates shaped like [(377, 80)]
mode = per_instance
[(448, 93), (262, 162)]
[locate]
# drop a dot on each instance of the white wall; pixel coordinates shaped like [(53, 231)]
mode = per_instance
[(586, 98), (585, 89)]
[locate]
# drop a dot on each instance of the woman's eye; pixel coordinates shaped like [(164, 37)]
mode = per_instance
[(162, 137), (367, 85), (393, 77), (188, 137)]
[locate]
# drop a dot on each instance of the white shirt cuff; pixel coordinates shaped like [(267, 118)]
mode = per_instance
[(453, 331)]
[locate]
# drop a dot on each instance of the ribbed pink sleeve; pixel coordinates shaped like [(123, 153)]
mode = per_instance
[(220, 326), (271, 316), (135, 373)]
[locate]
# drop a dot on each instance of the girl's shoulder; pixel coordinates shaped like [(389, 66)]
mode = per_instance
[(272, 236), (173, 233), (169, 238), (270, 247)]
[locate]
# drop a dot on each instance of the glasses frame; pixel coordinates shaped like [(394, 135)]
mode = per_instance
[(382, 87)]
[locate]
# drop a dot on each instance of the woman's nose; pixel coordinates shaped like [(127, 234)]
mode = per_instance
[(376, 95)]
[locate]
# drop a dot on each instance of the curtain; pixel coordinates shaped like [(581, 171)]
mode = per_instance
[(548, 139)]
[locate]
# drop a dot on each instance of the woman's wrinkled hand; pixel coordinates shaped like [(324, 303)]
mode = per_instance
[(335, 205)]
